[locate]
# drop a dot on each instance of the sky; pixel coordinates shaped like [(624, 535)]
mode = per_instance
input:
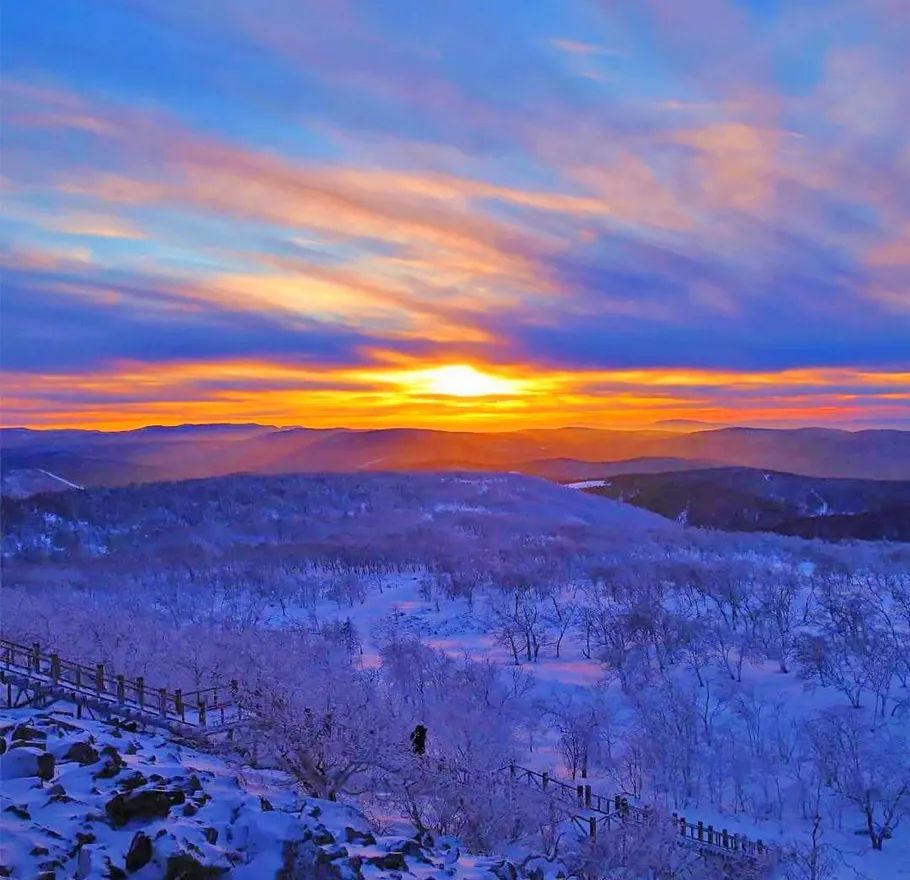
[(487, 214)]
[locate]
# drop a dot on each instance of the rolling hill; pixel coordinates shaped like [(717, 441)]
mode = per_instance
[(96, 458), (750, 499)]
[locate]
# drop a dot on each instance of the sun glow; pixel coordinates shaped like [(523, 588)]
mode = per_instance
[(462, 380)]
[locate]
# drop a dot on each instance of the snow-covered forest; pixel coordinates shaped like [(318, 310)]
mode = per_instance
[(752, 682)]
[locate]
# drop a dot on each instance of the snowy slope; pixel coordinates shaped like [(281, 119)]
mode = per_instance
[(87, 799)]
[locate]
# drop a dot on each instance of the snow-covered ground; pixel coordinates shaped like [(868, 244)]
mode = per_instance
[(394, 604), (94, 801), (187, 583)]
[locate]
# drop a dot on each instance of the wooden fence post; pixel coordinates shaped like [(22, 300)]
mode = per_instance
[(682, 825), (588, 796), (202, 712), (544, 779), (592, 828), (710, 834), (99, 678), (725, 839), (178, 702), (55, 668), (140, 691), (701, 830), (121, 689), (162, 702), (36, 657), (580, 794)]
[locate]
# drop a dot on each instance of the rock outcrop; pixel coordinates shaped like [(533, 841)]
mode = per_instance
[(81, 799)]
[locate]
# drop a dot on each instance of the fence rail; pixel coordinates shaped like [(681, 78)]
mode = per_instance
[(38, 674), (591, 812), (42, 673)]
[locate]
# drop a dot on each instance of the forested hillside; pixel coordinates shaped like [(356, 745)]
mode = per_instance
[(749, 499), (743, 680)]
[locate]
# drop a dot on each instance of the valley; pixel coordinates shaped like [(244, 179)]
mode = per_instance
[(515, 620)]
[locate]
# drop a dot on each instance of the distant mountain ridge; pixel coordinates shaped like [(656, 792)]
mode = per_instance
[(155, 453), (751, 499)]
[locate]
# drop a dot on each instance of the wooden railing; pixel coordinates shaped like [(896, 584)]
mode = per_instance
[(38, 669), (35, 670), (590, 811)]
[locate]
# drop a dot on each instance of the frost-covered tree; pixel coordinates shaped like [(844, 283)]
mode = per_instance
[(867, 767)]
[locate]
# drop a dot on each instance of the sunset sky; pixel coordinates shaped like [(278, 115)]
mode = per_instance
[(479, 214)]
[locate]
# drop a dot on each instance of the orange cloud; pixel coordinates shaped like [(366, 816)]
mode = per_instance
[(396, 391), (737, 165)]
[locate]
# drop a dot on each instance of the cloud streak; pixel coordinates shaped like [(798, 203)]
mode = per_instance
[(621, 195)]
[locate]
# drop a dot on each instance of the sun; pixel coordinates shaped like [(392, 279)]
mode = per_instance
[(463, 380)]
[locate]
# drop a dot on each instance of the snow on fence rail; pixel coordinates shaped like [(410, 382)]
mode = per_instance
[(37, 674), (590, 811)]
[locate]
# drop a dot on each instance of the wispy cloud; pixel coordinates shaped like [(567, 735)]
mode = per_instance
[(720, 194)]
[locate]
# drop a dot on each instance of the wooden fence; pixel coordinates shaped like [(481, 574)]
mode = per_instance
[(591, 812), (39, 674)]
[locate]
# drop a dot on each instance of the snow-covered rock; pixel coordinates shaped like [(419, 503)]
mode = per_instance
[(91, 799)]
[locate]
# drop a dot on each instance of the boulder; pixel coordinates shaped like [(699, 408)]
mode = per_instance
[(26, 761), (184, 867), (113, 763), (30, 734), (18, 812), (46, 765), (193, 784), (505, 871), (140, 852), (133, 780), (333, 853), (302, 858), (141, 805), (81, 752), (322, 836), (410, 847), (364, 838), (391, 861)]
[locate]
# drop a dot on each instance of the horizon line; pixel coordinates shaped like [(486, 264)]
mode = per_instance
[(693, 427)]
